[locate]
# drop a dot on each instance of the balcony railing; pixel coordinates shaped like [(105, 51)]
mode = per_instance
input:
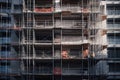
[(7, 70), (113, 12), (113, 54), (7, 25), (7, 54), (5, 40), (17, 10), (114, 41), (5, 10), (112, 0), (113, 26), (5, 1)]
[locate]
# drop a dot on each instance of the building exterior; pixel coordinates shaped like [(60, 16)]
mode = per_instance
[(9, 63), (113, 37), (59, 40)]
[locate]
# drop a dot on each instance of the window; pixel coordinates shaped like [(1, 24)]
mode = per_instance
[(5, 19), (5, 48), (114, 52), (18, 7), (5, 5), (5, 34), (114, 67), (113, 38), (3, 63), (113, 9)]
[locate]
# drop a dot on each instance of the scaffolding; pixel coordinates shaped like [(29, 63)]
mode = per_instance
[(60, 40)]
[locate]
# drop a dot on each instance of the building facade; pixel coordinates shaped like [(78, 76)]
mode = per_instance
[(113, 38), (59, 40), (9, 63)]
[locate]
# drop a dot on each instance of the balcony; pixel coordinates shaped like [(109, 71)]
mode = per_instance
[(113, 26), (110, 31), (114, 41), (112, 1), (3, 10), (113, 53), (113, 73), (7, 70), (114, 68), (17, 11), (18, 8), (3, 7), (5, 25), (113, 12), (5, 40), (5, 21), (5, 1), (7, 54)]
